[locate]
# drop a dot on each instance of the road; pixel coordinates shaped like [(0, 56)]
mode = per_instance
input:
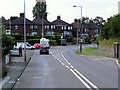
[(63, 68)]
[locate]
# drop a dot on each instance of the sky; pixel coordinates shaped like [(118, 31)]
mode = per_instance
[(64, 8)]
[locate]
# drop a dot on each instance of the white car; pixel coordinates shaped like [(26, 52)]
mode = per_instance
[(28, 46), (14, 52)]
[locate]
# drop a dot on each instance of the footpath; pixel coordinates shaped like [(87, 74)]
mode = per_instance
[(16, 69)]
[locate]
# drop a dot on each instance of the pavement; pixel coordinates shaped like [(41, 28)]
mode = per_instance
[(16, 69)]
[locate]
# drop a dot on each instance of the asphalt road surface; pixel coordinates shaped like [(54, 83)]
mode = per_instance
[(63, 68)]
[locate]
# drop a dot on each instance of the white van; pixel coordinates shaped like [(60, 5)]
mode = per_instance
[(44, 46), (44, 42), (28, 46)]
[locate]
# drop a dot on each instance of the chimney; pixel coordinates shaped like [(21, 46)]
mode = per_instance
[(21, 15), (58, 17)]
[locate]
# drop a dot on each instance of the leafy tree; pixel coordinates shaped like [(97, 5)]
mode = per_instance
[(7, 43), (39, 10), (13, 18), (111, 28), (85, 20)]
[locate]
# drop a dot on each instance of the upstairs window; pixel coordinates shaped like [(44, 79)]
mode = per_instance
[(16, 27), (35, 26), (47, 26), (31, 26)]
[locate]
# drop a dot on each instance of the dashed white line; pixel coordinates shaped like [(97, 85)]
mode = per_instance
[(71, 66), (84, 80)]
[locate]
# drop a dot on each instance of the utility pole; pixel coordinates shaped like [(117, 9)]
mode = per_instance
[(24, 31), (81, 41)]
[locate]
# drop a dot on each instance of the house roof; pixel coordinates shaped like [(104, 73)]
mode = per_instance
[(20, 20), (60, 22), (39, 21), (91, 25), (76, 24)]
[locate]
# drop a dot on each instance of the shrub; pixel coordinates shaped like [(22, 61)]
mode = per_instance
[(33, 41), (4, 71), (52, 42)]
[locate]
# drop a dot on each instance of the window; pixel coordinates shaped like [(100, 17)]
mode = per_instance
[(35, 26), (62, 27), (31, 26), (51, 27), (65, 27), (69, 27), (16, 26), (47, 26)]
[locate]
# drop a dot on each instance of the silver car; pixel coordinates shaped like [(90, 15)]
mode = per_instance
[(14, 52)]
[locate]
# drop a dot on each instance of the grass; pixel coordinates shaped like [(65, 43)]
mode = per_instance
[(89, 51)]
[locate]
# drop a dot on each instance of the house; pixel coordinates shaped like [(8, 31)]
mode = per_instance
[(17, 26), (60, 26), (41, 25), (89, 29), (76, 26)]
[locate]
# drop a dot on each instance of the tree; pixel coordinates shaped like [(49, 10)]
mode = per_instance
[(39, 10), (85, 20), (13, 18), (111, 28), (7, 43)]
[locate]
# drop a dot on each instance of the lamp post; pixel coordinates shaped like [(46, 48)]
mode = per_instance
[(81, 41), (24, 31)]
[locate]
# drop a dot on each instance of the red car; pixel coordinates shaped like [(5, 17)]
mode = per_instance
[(36, 45)]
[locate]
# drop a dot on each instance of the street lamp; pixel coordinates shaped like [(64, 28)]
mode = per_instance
[(81, 29), (81, 11), (24, 31)]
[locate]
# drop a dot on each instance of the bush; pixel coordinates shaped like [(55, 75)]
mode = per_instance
[(4, 71), (87, 40), (33, 41), (69, 39), (52, 42)]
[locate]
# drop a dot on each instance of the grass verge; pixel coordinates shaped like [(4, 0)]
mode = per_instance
[(89, 51), (92, 52)]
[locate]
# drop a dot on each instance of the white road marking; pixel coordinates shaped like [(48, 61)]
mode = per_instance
[(86, 79), (77, 73), (71, 66), (63, 64), (67, 67), (80, 79)]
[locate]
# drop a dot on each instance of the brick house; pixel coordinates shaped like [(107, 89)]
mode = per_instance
[(60, 26), (89, 29), (17, 26), (39, 22)]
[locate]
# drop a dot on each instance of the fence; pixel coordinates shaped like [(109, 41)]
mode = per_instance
[(116, 50)]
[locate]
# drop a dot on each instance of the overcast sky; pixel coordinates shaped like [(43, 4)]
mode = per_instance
[(64, 8)]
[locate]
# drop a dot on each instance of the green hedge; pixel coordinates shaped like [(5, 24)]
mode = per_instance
[(33, 41)]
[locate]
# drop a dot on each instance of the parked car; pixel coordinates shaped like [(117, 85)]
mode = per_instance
[(36, 45), (14, 52), (28, 46)]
